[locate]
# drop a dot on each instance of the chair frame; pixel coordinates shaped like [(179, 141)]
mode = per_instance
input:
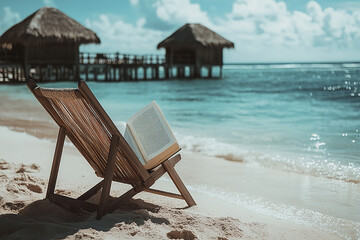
[(106, 205)]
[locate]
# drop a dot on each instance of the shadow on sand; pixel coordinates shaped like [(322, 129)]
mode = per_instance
[(45, 220)]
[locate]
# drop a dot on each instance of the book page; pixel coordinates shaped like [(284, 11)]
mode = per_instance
[(151, 131), (130, 140)]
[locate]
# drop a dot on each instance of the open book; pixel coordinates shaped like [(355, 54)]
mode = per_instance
[(150, 137)]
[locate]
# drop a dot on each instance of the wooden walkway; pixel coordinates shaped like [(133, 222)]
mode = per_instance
[(98, 67), (121, 67)]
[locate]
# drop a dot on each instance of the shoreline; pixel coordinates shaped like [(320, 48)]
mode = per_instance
[(212, 217), (242, 191), (289, 63)]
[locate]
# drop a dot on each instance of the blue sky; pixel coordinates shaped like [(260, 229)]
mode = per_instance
[(262, 30)]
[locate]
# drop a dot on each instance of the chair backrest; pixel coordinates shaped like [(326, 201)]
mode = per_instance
[(90, 129)]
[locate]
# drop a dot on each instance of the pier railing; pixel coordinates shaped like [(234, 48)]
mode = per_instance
[(99, 67), (117, 58), (94, 66)]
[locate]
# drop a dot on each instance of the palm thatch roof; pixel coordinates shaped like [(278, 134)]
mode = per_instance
[(48, 25), (195, 35)]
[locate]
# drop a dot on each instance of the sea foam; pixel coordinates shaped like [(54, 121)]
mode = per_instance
[(281, 161), (274, 160), (345, 229)]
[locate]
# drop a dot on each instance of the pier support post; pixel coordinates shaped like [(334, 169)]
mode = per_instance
[(95, 74), (87, 73), (210, 71), (197, 71), (106, 69), (166, 71), (157, 72), (178, 72)]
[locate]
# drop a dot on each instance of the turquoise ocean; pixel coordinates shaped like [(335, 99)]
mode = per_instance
[(295, 118)]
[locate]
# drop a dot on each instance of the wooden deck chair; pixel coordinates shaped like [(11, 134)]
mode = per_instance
[(82, 119)]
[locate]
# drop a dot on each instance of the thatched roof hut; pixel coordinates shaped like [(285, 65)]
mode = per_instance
[(195, 35), (196, 46), (48, 36), (48, 25)]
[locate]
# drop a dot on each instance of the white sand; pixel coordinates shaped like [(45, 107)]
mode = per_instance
[(24, 168)]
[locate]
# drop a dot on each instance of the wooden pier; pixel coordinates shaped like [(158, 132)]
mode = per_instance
[(45, 46), (105, 67), (121, 67)]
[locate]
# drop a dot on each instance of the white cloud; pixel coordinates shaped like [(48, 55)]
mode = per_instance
[(8, 18), (315, 11), (179, 12), (268, 25), (134, 2), (118, 35), (347, 5), (140, 22), (49, 3), (258, 9), (262, 30), (167, 15)]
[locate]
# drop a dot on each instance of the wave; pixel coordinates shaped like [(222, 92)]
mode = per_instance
[(291, 65), (345, 229), (289, 162)]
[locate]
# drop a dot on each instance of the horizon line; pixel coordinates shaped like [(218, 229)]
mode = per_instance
[(284, 63)]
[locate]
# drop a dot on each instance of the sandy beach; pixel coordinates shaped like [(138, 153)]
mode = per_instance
[(260, 98), (26, 148)]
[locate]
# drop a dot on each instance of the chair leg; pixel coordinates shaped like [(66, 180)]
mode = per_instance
[(104, 199), (123, 198), (56, 161), (91, 192), (178, 183)]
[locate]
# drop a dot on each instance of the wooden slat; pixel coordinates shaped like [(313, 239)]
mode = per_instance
[(58, 93), (108, 176), (175, 159), (178, 183), (91, 137), (56, 161), (87, 94), (38, 92), (73, 203), (85, 122), (130, 155), (76, 140), (158, 172), (49, 108), (45, 103), (123, 198), (163, 193), (91, 192), (77, 108)]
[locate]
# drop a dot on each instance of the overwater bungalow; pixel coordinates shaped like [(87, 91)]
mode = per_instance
[(194, 46), (45, 46), (46, 37)]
